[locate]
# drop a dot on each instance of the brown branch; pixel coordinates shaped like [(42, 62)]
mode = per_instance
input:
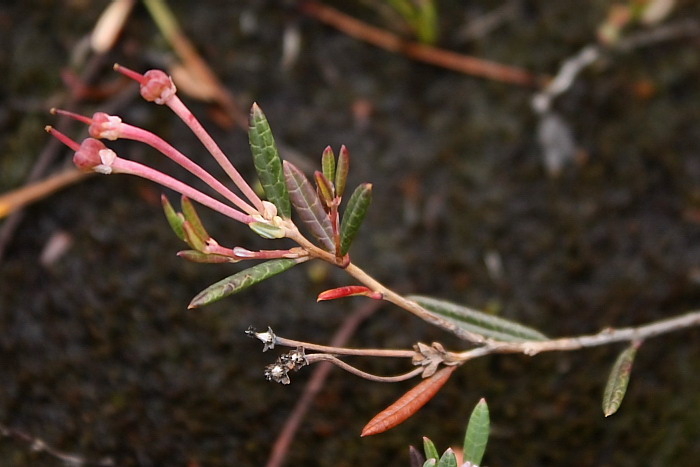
[(424, 53)]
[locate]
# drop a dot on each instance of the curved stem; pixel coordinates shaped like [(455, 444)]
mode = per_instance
[(321, 357)]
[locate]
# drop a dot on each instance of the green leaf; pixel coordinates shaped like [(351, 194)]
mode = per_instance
[(341, 171), (354, 215), (448, 459), (192, 217), (477, 433), (193, 239), (174, 219), (328, 163), (266, 230), (308, 205), (241, 281), (430, 463), (617, 381), (479, 322), (429, 448), (325, 188), (267, 162)]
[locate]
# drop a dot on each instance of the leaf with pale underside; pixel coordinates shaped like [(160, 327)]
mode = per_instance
[(477, 433), (618, 379), (241, 281), (354, 215), (479, 322), (267, 162), (308, 206), (267, 231)]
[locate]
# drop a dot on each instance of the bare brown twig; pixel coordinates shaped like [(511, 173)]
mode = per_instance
[(435, 56), (39, 445)]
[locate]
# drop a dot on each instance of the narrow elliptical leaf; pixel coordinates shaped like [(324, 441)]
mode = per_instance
[(448, 459), (174, 219), (430, 463), (479, 322), (477, 433), (308, 205), (241, 281), (328, 163), (353, 216), (341, 171), (325, 188), (616, 386), (192, 217), (430, 449), (267, 162), (348, 291), (199, 257), (409, 403), (193, 239)]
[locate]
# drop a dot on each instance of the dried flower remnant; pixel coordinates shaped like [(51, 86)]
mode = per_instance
[(268, 337)]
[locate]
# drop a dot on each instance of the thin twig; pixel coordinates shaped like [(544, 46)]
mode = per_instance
[(344, 350), (605, 337), (435, 56), (17, 199), (39, 445), (320, 357)]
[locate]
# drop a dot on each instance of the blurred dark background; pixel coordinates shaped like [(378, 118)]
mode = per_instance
[(99, 356)]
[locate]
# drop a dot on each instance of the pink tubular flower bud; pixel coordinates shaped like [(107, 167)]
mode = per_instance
[(105, 126), (94, 155), (157, 87)]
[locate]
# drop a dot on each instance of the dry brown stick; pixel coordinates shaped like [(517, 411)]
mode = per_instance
[(315, 384), (451, 60), (17, 199), (38, 445)]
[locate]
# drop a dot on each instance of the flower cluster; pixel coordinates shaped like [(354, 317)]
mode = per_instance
[(284, 186)]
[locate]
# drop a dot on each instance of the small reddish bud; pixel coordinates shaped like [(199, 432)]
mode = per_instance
[(105, 126), (349, 291), (157, 87), (94, 155)]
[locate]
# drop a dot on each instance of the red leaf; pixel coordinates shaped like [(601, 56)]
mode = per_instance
[(348, 291), (408, 404)]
